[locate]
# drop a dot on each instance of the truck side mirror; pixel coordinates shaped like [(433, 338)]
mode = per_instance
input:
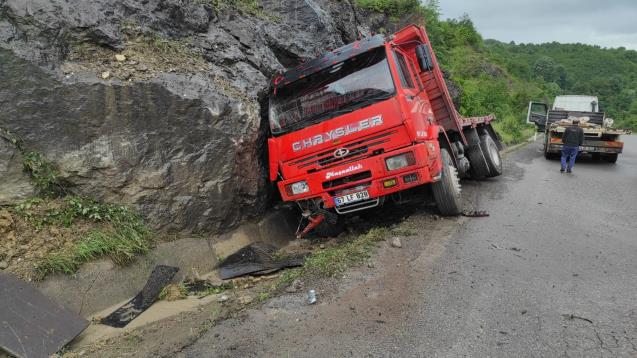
[(423, 55)]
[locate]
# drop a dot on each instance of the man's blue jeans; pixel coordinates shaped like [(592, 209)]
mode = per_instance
[(568, 153)]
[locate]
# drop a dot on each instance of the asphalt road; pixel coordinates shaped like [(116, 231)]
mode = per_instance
[(551, 273)]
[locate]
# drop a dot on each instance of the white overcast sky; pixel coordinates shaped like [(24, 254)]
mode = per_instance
[(608, 23)]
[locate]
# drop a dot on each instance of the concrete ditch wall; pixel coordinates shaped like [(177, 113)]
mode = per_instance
[(101, 284)]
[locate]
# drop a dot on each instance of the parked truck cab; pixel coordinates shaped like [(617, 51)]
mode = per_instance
[(368, 120)]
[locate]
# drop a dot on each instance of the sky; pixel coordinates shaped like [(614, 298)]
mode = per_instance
[(607, 23)]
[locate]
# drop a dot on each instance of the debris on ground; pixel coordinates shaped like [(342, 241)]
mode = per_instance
[(475, 213), (223, 298), (571, 316), (256, 259), (395, 242), (294, 286), (32, 325), (245, 300), (311, 297), (159, 278), (174, 292)]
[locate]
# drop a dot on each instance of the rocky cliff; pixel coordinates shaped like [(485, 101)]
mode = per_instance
[(158, 103)]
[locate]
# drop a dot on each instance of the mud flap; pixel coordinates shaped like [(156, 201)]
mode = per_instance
[(32, 325), (159, 278), (255, 259)]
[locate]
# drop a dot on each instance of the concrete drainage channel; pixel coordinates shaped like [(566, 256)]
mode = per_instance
[(100, 287)]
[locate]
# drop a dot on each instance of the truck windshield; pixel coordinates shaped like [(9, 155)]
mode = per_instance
[(341, 88)]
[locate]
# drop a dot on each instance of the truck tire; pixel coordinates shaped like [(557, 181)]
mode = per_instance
[(479, 168), (492, 155), (548, 155), (326, 229), (611, 158), (447, 190)]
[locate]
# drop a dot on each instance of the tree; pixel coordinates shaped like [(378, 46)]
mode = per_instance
[(544, 68)]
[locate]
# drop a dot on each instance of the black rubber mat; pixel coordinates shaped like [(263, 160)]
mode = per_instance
[(255, 259), (159, 278), (32, 325)]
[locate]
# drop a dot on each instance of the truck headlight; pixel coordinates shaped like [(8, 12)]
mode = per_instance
[(297, 188), (400, 161)]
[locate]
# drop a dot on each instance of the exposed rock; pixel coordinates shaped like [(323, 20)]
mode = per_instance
[(3, 265), (177, 131), (223, 298), (395, 242), (15, 185)]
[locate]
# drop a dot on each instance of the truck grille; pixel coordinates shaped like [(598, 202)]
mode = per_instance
[(362, 148), (346, 180)]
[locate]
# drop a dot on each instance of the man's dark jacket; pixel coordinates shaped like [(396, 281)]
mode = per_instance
[(573, 136)]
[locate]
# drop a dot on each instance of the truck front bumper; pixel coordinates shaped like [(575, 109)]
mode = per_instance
[(380, 182)]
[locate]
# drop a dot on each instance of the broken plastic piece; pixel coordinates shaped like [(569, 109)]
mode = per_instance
[(159, 278), (32, 325)]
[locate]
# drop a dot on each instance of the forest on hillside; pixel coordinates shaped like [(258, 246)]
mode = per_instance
[(502, 78)]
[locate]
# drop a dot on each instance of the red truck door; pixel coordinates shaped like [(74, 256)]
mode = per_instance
[(412, 87)]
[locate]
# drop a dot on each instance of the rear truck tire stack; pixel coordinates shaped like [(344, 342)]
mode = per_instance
[(447, 190), (491, 155), (483, 154)]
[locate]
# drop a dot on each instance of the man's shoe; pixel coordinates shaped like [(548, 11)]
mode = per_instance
[(568, 171), (561, 170)]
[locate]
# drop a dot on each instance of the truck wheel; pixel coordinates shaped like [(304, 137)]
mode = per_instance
[(611, 158), (447, 189), (326, 229), (492, 155), (479, 168)]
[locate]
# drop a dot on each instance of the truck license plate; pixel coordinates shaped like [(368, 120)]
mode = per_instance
[(351, 198)]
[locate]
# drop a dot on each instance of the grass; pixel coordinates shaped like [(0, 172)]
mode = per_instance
[(44, 176), (121, 234), (121, 244), (336, 260)]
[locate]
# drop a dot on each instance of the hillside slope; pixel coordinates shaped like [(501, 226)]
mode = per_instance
[(610, 74)]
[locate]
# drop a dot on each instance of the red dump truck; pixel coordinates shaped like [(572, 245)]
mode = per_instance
[(369, 120)]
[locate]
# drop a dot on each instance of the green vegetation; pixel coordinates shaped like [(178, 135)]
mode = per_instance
[(105, 229), (502, 78), (610, 74), (119, 234), (335, 260), (43, 175)]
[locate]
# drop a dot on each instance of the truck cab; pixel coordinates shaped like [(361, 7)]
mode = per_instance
[(368, 120)]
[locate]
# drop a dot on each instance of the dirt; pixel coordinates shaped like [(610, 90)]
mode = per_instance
[(143, 57), (24, 243), (172, 335)]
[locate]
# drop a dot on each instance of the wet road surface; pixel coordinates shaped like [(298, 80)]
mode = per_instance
[(551, 273)]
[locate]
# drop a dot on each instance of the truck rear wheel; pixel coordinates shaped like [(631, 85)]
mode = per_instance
[(447, 190), (491, 155), (479, 168), (611, 158)]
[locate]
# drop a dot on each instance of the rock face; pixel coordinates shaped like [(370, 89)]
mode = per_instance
[(177, 127)]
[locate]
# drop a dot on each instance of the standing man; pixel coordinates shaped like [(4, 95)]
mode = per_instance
[(572, 139)]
